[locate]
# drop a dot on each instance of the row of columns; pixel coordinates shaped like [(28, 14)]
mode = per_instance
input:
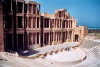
[(31, 7), (34, 38), (58, 23), (33, 22), (17, 6), (57, 36)]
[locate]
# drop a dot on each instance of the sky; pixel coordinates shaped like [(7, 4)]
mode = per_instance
[(87, 12)]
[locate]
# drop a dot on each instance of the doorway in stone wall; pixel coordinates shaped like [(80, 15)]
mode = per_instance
[(76, 38), (20, 41)]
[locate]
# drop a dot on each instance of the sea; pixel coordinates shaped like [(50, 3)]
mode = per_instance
[(93, 28)]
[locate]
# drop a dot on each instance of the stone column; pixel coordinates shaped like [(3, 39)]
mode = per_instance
[(59, 23), (27, 22), (28, 40), (61, 35), (43, 39), (49, 37), (36, 38), (65, 24), (67, 36), (39, 9), (36, 23), (23, 41), (1, 28), (23, 22), (11, 5), (49, 23), (68, 23), (36, 9), (32, 9), (54, 24), (28, 8), (31, 22), (53, 37), (39, 22), (56, 36), (32, 39), (39, 38), (23, 8), (17, 41)]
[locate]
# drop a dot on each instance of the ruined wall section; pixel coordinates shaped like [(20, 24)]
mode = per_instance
[(1, 28)]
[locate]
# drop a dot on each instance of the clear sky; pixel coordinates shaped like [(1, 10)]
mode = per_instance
[(87, 12)]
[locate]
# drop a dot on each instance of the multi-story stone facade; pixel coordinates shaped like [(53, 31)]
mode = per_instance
[(26, 28)]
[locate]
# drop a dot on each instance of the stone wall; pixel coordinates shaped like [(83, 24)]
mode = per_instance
[(1, 28)]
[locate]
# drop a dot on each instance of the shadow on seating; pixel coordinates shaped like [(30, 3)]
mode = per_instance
[(27, 52)]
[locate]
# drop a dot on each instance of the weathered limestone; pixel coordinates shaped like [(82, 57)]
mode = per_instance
[(26, 28), (1, 28)]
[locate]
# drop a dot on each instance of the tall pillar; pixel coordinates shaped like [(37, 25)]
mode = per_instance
[(39, 22), (56, 36), (49, 37), (68, 23), (53, 36), (23, 8), (17, 42), (36, 23), (31, 22), (67, 36), (39, 38), (65, 24), (32, 9), (32, 39), (36, 9), (59, 23), (28, 40), (28, 8), (1, 28), (23, 22), (61, 35), (23, 41), (56, 23), (27, 22), (43, 39), (11, 5), (36, 38), (39, 9), (49, 23)]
